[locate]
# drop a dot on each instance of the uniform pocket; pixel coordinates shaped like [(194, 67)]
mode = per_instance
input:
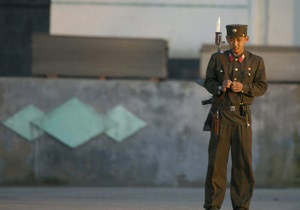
[(247, 76)]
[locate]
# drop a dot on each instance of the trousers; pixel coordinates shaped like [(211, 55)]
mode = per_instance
[(237, 139)]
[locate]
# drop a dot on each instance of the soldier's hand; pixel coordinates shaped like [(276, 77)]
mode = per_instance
[(237, 87), (226, 84)]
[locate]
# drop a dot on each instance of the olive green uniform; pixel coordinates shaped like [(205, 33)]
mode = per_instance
[(235, 132)]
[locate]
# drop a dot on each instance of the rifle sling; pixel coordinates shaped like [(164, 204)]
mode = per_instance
[(220, 99)]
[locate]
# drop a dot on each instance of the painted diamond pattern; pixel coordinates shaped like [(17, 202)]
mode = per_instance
[(74, 123), (21, 122), (127, 123)]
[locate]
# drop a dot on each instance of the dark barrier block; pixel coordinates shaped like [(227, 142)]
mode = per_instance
[(105, 57)]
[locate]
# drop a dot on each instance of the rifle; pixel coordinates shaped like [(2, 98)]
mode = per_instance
[(218, 37), (201, 83), (218, 42), (212, 119), (213, 114)]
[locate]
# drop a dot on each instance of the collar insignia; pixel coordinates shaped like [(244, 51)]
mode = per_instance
[(241, 58)]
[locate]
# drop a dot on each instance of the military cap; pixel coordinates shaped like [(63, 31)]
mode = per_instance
[(236, 30)]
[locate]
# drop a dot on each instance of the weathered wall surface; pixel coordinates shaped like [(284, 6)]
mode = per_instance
[(170, 151)]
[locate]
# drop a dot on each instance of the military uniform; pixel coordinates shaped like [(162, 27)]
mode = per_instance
[(235, 132)]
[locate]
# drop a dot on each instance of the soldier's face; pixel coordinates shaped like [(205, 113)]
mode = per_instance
[(237, 44)]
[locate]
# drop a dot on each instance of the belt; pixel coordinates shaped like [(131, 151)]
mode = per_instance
[(232, 108)]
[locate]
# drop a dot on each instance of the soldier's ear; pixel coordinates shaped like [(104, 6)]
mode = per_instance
[(247, 39)]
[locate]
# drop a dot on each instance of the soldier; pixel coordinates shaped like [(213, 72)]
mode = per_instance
[(236, 76)]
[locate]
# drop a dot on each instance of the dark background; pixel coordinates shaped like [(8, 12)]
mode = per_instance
[(20, 18)]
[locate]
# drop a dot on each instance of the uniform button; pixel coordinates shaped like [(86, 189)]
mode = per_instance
[(236, 69), (235, 79), (249, 74), (236, 59)]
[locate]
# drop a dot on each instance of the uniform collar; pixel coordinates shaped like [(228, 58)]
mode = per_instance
[(240, 57)]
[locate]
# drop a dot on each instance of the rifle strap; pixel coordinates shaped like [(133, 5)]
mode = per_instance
[(218, 102), (220, 99)]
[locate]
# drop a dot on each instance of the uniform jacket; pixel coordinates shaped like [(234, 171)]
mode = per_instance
[(249, 69)]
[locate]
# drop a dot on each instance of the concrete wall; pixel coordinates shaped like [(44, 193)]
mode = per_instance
[(296, 22), (186, 25), (170, 151)]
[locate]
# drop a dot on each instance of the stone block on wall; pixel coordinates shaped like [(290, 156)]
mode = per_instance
[(100, 57)]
